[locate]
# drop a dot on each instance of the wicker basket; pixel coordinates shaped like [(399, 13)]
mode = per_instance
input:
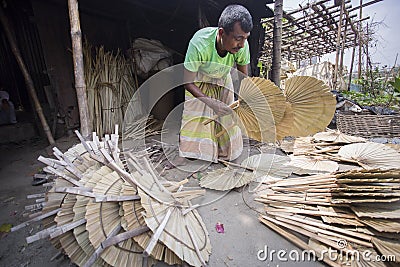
[(368, 125)]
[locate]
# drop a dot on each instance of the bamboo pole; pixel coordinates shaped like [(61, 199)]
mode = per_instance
[(338, 40), (343, 44), (277, 53), (80, 86), (28, 79), (351, 65), (360, 42)]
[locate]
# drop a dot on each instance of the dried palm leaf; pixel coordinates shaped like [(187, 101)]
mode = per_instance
[(312, 165), (226, 179), (382, 225), (103, 221), (69, 241), (389, 248), (269, 164), (373, 155), (185, 234), (132, 218), (303, 146), (312, 103), (378, 211), (287, 146), (283, 128)]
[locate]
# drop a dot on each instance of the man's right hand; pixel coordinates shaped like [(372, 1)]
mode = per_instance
[(220, 108)]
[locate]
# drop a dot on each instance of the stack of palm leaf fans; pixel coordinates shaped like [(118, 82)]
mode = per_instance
[(100, 214), (354, 213), (305, 106)]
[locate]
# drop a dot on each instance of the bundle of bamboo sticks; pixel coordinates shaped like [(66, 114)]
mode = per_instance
[(111, 84)]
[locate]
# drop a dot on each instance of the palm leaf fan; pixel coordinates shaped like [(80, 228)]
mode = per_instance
[(303, 145), (388, 247), (373, 155), (312, 103), (67, 215), (337, 137), (260, 106), (132, 218), (54, 200), (269, 165), (253, 93), (103, 220), (171, 218), (284, 127), (313, 165), (80, 233), (226, 178), (184, 234)]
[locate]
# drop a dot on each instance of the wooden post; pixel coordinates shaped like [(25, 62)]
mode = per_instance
[(343, 47), (80, 86), (277, 43), (360, 42), (351, 64), (338, 40), (28, 79)]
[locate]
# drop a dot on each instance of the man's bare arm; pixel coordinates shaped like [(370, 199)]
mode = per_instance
[(243, 69)]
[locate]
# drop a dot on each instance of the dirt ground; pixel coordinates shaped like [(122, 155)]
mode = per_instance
[(244, 235)]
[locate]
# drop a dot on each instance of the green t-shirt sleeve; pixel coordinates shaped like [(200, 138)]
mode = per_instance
[(193, 58), (243, 56)]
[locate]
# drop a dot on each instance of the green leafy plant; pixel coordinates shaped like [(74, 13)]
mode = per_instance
[(376, 90)]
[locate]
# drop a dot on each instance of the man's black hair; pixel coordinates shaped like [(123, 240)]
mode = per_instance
[(233, 14)]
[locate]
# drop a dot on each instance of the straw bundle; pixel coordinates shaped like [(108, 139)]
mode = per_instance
[(110, 87)]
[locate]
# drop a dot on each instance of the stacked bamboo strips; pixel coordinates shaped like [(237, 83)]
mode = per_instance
[(340, 211)]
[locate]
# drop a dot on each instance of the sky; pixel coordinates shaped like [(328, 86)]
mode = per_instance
[(388, 36)]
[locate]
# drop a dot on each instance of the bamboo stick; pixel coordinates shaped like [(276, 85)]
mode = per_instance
[(111, 198), (66, 227), (100, 249), (196, 246), (363, 236), (297, 241), (318, 230), (38, 218), (45, 233), (157, 234)]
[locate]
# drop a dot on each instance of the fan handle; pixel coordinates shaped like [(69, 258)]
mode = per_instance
[(233, 106)]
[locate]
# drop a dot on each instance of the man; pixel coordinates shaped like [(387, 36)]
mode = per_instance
[(211, 53), (7, 111)]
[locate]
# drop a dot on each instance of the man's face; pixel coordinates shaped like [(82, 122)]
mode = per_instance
[(234, 40)]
